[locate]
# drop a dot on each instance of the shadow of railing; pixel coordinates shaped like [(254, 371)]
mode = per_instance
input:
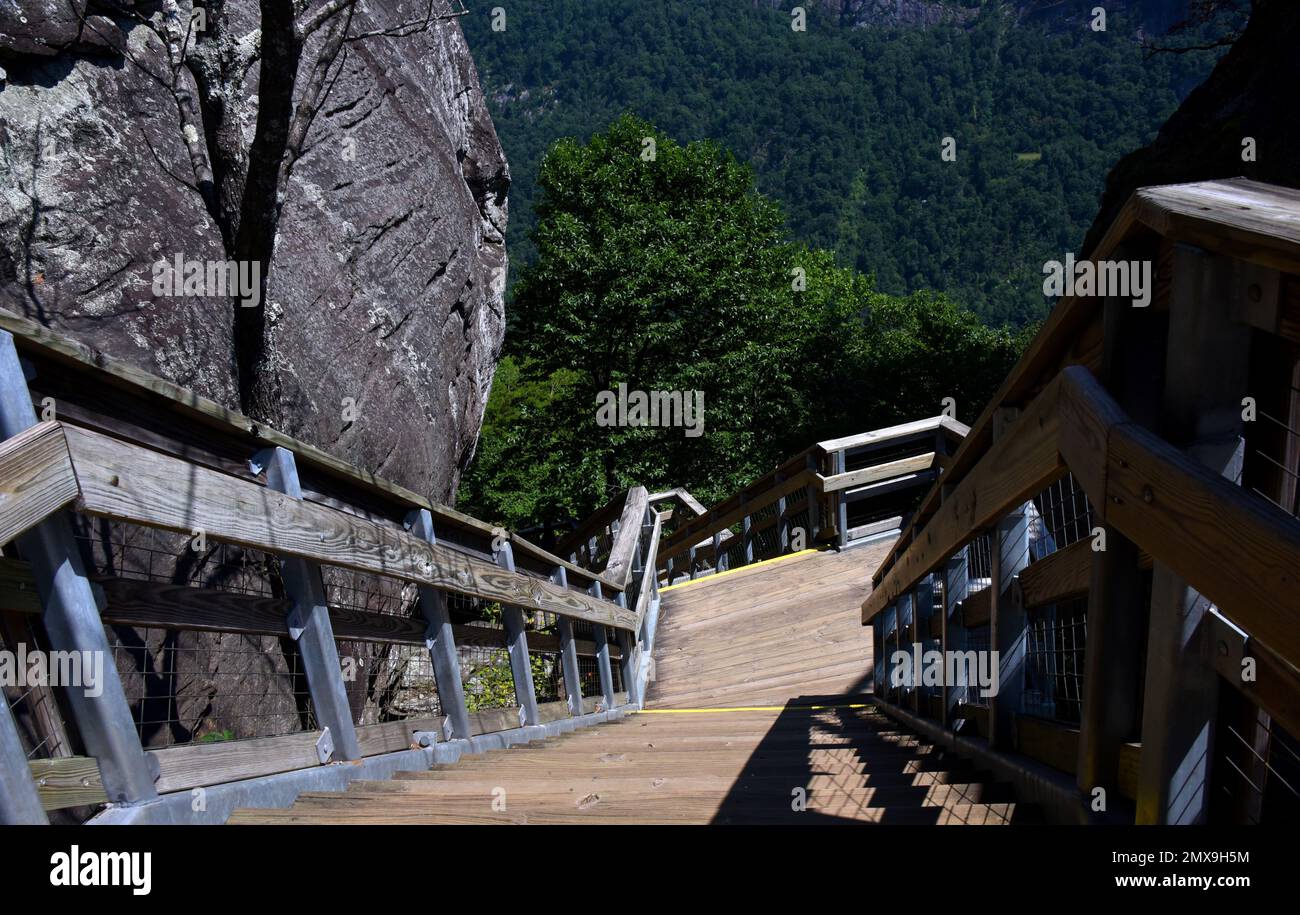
[(835, 760)]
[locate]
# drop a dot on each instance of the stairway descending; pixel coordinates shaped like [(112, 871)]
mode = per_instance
[(799, 765), (757, 715)]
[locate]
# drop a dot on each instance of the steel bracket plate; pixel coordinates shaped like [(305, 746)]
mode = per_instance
[(325, 746)]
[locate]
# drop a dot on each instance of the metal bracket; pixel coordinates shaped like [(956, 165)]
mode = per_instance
[(325, 746), (258, 463), (296, 621)]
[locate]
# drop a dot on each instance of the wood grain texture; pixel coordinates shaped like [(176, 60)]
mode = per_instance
[(68, 781), (198, 765), (878, 472), (767, 634), (133, 602), (851, 766), (392, 736), (36, 478), (738, 764), (618, 567), (128, 483), (1062, 574), (1234, 547)]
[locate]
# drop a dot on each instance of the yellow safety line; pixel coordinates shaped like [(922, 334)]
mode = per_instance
[(753, 565), (748, 708)]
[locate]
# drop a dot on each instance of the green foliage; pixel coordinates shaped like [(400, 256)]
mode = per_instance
[(675, 274), (843, 126), (492, 685), (217, 736)]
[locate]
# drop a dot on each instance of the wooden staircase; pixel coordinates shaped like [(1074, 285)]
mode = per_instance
[(753, 734)]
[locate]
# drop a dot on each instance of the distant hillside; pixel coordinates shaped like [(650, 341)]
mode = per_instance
[(844, 123)]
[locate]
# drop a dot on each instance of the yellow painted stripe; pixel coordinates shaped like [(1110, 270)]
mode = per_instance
[(753, 565), (748, 708)]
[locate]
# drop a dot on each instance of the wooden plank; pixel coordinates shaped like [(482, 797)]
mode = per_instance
[(134, 602), (69, 781), (1244, 219), (1130, 757), (199, 765), (392, 736), (36, 478), (875, 527), (1049, 742), (1062, 574), (619, 566), (977, 608), (1015, 468), (489, 721), (1237, 549), (878, 472), (1276, 687), (129, 483), (79, 359), (890, 433)]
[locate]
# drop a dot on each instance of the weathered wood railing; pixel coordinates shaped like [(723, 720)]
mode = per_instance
[(120, 445), (1150, 652), (872, 478)]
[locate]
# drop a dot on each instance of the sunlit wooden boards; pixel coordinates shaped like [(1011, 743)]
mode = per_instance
[(128, 483)]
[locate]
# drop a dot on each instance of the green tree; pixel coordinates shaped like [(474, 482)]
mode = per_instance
[(667, 270)]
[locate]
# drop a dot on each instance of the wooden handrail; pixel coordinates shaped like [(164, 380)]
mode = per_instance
[(1015, 468), (220, 430), (126, 482), (1237, 218), (1237, 549), (618, 567), (800, 472)]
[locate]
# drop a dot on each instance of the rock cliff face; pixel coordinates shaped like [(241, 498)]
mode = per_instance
[(384, 298)]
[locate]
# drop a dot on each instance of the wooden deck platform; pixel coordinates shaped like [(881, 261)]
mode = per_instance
[(756, 716)]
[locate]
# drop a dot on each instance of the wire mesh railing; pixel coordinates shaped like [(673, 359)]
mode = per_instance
[(1056, 642)]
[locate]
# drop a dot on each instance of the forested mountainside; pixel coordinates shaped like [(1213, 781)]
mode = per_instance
[(844, 123)]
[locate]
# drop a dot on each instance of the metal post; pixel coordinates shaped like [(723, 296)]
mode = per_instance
[(441, 641), (309, 620), (1007, 621), (569, 652), (72, 619), (841, 503), (627, 664), (956, 586), (521, 668), (602, 654)]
